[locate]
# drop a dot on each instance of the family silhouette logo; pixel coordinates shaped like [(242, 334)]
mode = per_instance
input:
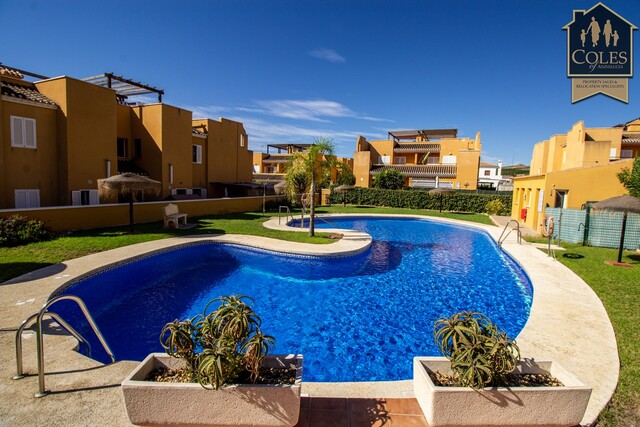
[(599, 53)]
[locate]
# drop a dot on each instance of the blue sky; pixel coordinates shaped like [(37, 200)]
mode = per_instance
[(293, 71)]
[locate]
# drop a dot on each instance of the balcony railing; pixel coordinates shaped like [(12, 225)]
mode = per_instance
[(419, 171)]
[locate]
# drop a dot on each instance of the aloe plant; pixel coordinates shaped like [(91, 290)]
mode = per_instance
[(219, 345), (481, 354)]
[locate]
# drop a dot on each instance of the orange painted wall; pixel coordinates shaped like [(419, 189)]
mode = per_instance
[(26, 168), (98, 216)]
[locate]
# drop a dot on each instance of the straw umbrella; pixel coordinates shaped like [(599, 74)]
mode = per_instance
[(440, 192), (624, 204), (128, 183), (343, 189)]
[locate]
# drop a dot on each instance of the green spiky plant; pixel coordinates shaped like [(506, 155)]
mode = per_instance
[(220, 345), (481, 354)]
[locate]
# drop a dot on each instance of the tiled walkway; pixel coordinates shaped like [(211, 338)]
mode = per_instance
[(357, 412)]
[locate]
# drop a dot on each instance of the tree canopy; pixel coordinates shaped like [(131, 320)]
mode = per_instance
[(630, 178)]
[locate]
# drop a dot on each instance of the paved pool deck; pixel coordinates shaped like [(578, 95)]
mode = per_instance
[(567, 324)]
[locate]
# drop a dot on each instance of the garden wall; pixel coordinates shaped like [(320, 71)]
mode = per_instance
[(60, 218)]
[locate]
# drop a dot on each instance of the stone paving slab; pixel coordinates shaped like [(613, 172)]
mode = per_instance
[(568, 324)]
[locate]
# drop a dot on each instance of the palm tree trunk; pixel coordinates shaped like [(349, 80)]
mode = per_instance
[(312, 208)]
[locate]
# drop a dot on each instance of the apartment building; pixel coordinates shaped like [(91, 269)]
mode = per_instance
[(59, 135), (271, 167), (428, 158), (569, 170)]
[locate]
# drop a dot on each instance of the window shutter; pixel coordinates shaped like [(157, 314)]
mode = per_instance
[(76, 198), (17, 134), (33, 198), (21, 199), (93, 197), (30, 133)]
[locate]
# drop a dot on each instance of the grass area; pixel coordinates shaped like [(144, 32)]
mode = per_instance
[(23, 259), (619, 290)]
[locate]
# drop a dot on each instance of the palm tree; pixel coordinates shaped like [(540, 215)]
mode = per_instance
[(311, 164)]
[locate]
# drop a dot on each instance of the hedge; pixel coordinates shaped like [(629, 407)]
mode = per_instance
[(420, 199)]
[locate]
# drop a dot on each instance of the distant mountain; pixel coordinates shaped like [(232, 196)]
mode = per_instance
[(515, 170)]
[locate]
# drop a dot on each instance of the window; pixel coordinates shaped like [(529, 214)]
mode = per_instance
[(448, 160), (84, 197), (256, 168), (400, 161), (626, 154), (432, 160), (385, 160), (202, 192), (612, 153), (23, 132), (197, 153), (241, 140), (271, 169), (487, 173), (560, 199), (123, 149), (26, 199), (137, 148)]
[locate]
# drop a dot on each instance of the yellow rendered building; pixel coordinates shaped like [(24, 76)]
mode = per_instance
[(58, 136), (270, 168), (571, 169), (427, 158)]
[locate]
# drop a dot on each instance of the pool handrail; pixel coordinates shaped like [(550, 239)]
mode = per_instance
[(40, 337), (518, 232)]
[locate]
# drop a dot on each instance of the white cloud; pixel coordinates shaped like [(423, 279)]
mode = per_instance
[(262, 132), (305, 109), (327, 55)]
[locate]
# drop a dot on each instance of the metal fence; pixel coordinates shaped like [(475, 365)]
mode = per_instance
[(595, 228)]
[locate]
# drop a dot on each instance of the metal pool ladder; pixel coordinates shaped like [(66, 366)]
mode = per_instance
[(39, 316), (286, 210), (504, 236)]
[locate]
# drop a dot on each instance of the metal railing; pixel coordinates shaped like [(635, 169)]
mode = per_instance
[(287, 211), (39, 316), (504, 236)]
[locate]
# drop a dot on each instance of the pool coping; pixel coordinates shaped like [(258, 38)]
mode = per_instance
[(567, 323)]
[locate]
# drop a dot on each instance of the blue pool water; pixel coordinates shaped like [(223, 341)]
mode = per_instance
[(355, 318)]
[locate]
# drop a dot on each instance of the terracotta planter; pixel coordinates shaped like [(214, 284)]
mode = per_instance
[(153, 403), (517, 406)]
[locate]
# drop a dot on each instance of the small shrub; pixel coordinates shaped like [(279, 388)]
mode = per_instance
[(495, 207), (481, 355), (219, 346), (19, 230), (389, 179)]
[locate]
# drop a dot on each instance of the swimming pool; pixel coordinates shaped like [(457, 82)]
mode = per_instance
[(355, 318)]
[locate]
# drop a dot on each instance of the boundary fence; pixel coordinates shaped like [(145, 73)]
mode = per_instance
[(595, 228)]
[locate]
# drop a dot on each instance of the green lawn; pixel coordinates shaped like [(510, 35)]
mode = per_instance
[(619, 291)]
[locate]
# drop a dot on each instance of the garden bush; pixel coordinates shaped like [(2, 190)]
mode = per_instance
[(420, 199), (495, 207), (19, 230), (389, 179)]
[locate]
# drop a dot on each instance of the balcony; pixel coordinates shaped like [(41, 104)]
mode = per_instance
[(419, 171), (416, 147)]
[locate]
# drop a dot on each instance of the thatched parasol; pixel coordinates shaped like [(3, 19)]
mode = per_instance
[(343, 189), (440, 192), (624, 204), (279, 187), (128, 183)]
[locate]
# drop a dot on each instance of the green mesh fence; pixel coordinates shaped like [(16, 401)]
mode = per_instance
[(569, 223), (603, 227)]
